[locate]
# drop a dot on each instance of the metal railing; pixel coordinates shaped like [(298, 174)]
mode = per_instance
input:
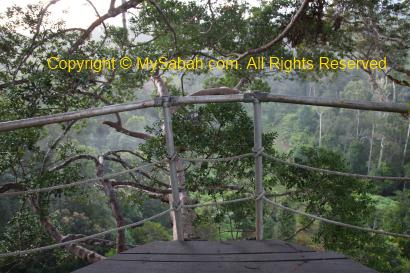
[(166, 102)]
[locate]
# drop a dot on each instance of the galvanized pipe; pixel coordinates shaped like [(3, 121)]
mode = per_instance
[(169, 137), (247, 97), (258, 148), (74, 115)]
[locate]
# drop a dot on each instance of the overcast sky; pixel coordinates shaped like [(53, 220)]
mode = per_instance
[(76, 13)]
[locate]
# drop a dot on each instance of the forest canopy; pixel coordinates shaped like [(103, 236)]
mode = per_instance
[(51, 64)]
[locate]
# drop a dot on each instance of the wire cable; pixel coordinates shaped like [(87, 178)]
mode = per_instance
[(361, 176), (85, 238), (43, 248), (377, 231), (222, 159), (81, 182), (217, 203)]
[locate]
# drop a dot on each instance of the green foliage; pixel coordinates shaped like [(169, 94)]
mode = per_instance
[(356, 90), (357, 157), (18, 237), (210, 31), (149, 232), (345, 200)]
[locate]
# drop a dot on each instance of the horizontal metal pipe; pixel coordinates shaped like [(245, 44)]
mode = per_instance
[(74, 115), (247, 97), (330, 102)]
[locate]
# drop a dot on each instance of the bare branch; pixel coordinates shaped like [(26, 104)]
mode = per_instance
[(99, 16), (54, 145), (33, 46), (141, 186), (77, 250), (161, 12), (160, 85), (281, 35), (72, 159), (137, 155), (212, 18), (110, 14), (12, 186), (118, 127), (127, 166), (150, 191), (114, 204), (397, 81), (112, 5), (92, 241), (300, 230)]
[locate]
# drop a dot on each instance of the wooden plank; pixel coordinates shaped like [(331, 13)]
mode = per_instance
[(215, 247), (225, 257), (322, 266), (232, 257)]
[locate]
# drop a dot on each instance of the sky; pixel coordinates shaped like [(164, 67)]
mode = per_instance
[(79, 13), (76, 13)]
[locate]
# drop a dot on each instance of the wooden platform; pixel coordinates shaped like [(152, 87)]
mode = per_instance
[(225, 256)]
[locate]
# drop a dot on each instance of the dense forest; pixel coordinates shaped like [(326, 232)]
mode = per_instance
[(354, 141)]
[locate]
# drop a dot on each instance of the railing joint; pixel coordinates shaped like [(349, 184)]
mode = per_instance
[(172, 157), (255, 97), (249, 97), (258, 152), (176, 206), (164, 101), (260, 95)]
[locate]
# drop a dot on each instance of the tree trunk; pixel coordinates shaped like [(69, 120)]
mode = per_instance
[(115, 208), (124, 25), (188, 215), (75, 249), (357, 123), (379, 163), (405, 145), (394, 92), (369, 163), (320, 127)]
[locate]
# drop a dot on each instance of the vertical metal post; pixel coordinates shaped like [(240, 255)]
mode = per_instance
[(169, 137), (257, 121)]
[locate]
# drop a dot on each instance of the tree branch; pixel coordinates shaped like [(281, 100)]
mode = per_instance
[(150, 191), (300, 230), (33, 46), (115, 207), (118, 127), (170, 28), (54, 145), (110, 14), (75, 249), (72, 159), (12, 186), (92, 241), (280, 36), (397, 81)]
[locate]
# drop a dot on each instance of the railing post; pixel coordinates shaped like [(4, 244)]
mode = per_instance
[(258, 148), (171, 154)]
